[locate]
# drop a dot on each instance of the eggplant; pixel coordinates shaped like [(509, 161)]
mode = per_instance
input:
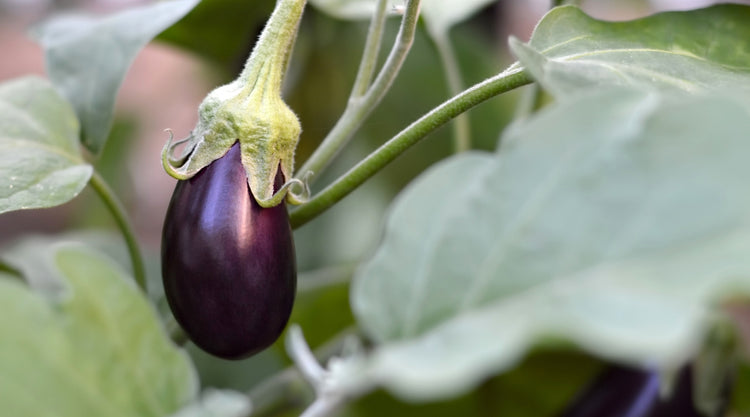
[(626, 392), (228, 265)]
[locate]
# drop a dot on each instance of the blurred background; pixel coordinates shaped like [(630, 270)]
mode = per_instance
[(171, 76)]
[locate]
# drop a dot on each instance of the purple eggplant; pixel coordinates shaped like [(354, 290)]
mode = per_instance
[(228, 265), (627, 392)]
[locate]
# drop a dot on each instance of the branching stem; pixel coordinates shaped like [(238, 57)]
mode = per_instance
[(510, 79), (359, 107)]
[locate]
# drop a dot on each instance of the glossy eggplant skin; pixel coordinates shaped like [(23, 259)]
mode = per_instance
[(228, 265), (627, 392)]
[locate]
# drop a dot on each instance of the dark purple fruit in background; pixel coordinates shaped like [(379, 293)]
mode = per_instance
[(626, 392), (228, 264)]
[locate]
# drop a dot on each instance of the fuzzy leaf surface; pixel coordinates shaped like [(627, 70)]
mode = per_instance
[(614, 233), (40, 161), (696, 50)]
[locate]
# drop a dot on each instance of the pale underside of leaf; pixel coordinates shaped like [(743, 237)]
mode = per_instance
[(615, 233)]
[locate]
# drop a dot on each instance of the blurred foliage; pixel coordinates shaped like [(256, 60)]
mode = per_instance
[(740, 397), (222, 31), (512, 394), (90, 212)]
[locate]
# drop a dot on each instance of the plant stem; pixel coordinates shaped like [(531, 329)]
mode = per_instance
[(371, 51), (359, 107), (512, 78), (461, 126), (120, 216), (288, 388), (278, 35), (321, 407)]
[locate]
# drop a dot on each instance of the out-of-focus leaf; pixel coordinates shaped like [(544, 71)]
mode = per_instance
[(221, 30), (740, 400), (352, 9), (99, 350), (322, 303), (40, 161), (691, 50), (441, 15), (218, 403), (87, 58), (540, 386), (611, 221)]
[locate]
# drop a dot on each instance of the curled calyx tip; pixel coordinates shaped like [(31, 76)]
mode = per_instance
[(280, 195), (170, 164), (250, 110), (296, 191)]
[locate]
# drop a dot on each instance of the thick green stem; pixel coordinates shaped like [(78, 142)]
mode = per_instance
[(508, 80), (120, 216), (358, 108), (461, 125), (279, 34)]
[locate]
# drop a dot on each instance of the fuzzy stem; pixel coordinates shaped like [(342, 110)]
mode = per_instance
[(120, 216), (279, 34), (510, 79)]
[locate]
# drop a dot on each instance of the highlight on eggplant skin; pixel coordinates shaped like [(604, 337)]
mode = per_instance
[(228, 265), (625, 392)]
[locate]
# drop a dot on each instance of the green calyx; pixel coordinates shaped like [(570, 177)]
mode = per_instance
[(250, 110)]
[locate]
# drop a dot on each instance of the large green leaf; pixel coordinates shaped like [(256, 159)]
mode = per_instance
[(87, 57), (40, 162), (96, 349), (611, 221), (693, 50)]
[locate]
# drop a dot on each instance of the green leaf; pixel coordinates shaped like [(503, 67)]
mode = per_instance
[(40, 162), (697, 50), (95, 350), (87, 58), (612, 221)]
